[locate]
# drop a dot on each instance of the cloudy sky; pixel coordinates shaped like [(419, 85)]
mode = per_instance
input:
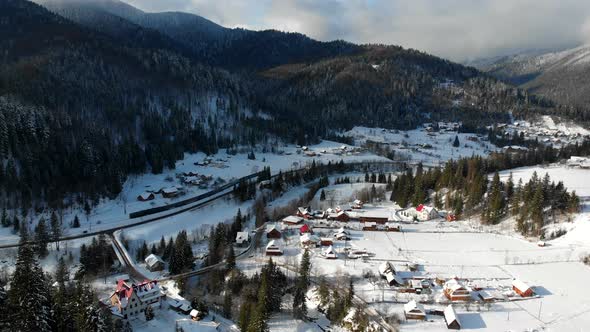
[(457, 29)]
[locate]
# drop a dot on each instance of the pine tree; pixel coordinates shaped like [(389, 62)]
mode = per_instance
[(56, 229), (456, 142), (29, 291), (258, 321), (230, 261), (323, 195), (5, 221), (536, 209), (76, 222), (41, 238), (301, 287), (244, 320), (227, 304)]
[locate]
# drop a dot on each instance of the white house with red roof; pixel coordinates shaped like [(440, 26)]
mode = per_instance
[(131, 300), (421, 212)]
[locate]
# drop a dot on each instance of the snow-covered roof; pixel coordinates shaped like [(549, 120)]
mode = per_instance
[(453, 285), (385, 267), (329, 250), (194, 313), (292, 219), (145, 195), (520, 285), (451, 315), (413, 305), (152, 260), (242, 236), (272, 227), (170, 190)]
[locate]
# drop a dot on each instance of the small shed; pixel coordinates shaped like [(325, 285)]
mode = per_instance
[(272, 232), (522, 288), (451, 318), (413, 310), (292, 220), (154, 263), (145, 196), (309, 240), (273, 249)]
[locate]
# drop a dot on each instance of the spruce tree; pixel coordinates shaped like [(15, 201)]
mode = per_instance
[(244, 320), (76, 222), (41, 238), (56, 229), (230, 261), (456, 142), (227, 304)]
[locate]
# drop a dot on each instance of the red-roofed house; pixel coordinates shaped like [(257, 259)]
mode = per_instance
[(303, 213), (522, 289), (132, 300), (305, 229)]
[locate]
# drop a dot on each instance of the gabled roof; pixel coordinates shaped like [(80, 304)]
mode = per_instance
[(413, 305), (520, 285), (292, 219), (303, 210), (152, 259), (271, 228), (242, 236), (305, 228), (451, 315)]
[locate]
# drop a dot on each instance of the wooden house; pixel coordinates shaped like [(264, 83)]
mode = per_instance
[(273, 249), (305, 229), (455, 291), (145, 197), (451, 318), (341, 216), (413, 310), (303, 213), (522, 288), (242, 238), (272, 232), (330, 253), (154, 263), (170, 192), (326, 241), (309, 240), (292, 220)]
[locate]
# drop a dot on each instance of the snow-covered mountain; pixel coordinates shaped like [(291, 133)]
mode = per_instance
[(559, 75)]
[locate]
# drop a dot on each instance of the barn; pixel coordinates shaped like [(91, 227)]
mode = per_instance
[(451, 318), (413, 310), (303, 213), (522, 288), (341, 216)]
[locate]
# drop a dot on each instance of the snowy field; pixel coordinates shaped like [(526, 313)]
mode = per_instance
[(223, 167), (432, 148)]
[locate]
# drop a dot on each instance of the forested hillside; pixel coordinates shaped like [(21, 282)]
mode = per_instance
[(110, 91)]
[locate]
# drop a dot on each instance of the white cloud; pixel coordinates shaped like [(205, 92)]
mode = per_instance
[(457, 29)]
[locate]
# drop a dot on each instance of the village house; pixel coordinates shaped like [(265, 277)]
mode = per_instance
[(451, 318), (146, 196), (330, 253), (326, 241), (413, 310), (292, 220), (170, 192), (309, 240), (357, 204), (303, 213), (522, 288), (455, 291), (273, 249), (242, 238), (341, 216), (272, 232), (385, 268), (421, 213), (305, 229), (181, 306), (132, 300), (341, 234), (154, 263)]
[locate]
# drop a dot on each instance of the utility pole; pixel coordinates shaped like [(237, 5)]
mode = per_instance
[(540, 306)]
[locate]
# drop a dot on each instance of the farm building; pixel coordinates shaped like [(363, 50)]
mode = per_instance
[(292, 220), (272, 232), (451, 318), (330, 253), (413, 310), (242, 238), (455, 291), (305, 229), (145, 197), (393, 280), (154, 263), (273, 249), (522, 288), (341, 236)]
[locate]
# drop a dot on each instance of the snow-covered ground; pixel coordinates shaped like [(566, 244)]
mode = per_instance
[(225, 167)]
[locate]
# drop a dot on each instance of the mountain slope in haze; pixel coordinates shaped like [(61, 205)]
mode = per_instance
[(209, 42), (563, 76)]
